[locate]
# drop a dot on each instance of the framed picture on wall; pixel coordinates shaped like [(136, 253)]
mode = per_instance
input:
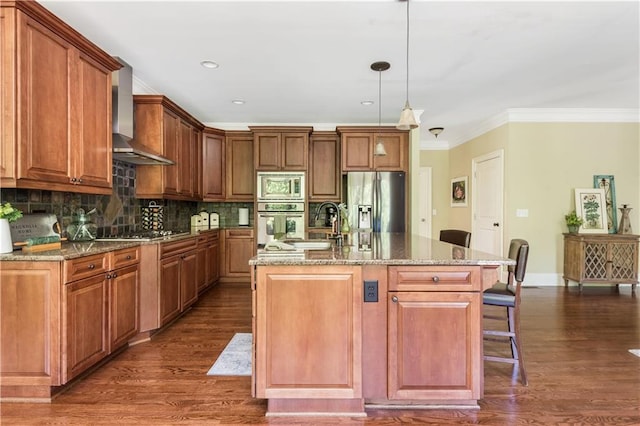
[(606, 183), (459, 191), (591, 206)]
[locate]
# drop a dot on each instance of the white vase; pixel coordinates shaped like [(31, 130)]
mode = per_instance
[(6, 245)]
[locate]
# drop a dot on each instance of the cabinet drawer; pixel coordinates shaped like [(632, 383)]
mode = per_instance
[(435, 278), (125, 257), (239, 233), (86, 266), (172, 248)]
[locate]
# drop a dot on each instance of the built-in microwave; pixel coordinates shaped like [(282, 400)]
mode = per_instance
[(281, 186)]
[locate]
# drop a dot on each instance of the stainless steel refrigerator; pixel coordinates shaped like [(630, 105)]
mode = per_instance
[(376, 201)]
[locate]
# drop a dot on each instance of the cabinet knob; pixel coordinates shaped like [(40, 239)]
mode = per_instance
[(436, 279), (108, 276), (114, 275), (394, 299), (79, 180), (91, 266), (73, 180), (128, 257), (496, 224)]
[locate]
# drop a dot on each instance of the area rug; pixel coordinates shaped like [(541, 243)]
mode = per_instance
[(235, 359), (636, 352)]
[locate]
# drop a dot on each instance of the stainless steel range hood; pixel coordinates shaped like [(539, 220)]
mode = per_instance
[(125, 147)]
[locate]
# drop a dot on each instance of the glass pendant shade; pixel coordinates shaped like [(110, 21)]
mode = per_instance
[(407, 119), (379, 150)]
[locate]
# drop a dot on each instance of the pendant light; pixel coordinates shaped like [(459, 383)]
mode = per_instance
[(407, 118), (380, 66)]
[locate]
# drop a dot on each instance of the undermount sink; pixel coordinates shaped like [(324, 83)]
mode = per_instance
[(310, 244)]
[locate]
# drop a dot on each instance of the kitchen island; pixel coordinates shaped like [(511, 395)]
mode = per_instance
[(391, 320)]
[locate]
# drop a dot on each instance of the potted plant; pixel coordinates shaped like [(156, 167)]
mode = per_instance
[(573, 222), (8, 213)]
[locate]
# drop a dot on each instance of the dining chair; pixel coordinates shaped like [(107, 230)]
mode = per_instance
[(507, 295), (456, 236)]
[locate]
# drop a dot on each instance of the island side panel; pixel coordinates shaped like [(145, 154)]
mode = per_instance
[(374, 337), (308, 332)]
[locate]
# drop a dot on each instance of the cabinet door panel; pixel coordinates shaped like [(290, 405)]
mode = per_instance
[(324, 169), (434, 345), (396, 147), (86, 324), (291, 362), (188, 280), (123, 288), (295, 151), (171, 128), (169, 289), (240, 176), (238, 253), (46, 73), (357, 152), (267, 151), (186, 164), (92, 152), (213, 167)]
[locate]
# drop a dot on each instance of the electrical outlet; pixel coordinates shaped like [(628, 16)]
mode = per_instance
[(371, 291)]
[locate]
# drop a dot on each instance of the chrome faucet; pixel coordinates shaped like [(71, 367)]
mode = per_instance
[(337, 235)]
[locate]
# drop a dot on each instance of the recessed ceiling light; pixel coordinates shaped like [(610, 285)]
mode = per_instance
[(209, 64), (238, 102), (367, 102)]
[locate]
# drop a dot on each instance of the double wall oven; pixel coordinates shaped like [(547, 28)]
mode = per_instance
[(280, 206)]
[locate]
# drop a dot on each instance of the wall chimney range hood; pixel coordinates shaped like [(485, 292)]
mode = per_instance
[(125, 147)]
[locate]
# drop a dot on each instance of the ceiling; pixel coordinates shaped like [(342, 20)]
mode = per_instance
[(308, 62)]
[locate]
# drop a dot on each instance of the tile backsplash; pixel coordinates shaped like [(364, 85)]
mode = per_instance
[(119, 212)]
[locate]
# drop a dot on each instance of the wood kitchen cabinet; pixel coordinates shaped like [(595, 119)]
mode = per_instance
[(101, 307), (61, 318), (240, 180), (55, 91), (238, 247), (164, 128), (178, 285), (281, 148), (213, 165), (601, 259), (323, 182), (290, 301), (208, 260), (358, 145), (434, 313)]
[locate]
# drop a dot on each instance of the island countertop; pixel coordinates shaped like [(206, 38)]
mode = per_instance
[(382, 249)]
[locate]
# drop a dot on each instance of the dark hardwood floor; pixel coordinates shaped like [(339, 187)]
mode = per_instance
[(577, 356)]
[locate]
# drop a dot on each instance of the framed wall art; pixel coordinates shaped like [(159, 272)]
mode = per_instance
[(607, 183), (459, 191), (591, 206)]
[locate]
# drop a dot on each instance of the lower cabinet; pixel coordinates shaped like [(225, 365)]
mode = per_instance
[(168, 282), (434, 333), (208, 260), (101, 311), (178, 285), (239, 247), (443, 329), (308, 329)]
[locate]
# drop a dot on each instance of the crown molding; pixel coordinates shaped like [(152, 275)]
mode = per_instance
[(142, 88), (550, 115)]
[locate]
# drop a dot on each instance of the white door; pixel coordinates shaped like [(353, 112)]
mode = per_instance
[(487, 206), (424, 202)]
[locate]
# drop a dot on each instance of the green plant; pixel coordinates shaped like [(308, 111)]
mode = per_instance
[(572, 219), (7, 211)]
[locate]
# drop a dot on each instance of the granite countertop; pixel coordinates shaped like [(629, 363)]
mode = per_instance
[(382, 249), (72, 250)]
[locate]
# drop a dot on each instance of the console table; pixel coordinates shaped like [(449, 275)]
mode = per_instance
[(601, 258)]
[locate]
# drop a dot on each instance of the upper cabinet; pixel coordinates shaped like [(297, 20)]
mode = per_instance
[(163, 127), (281, 148), (56, 111), (323, 181), (358, 145), (240, 179), (213, 165)]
